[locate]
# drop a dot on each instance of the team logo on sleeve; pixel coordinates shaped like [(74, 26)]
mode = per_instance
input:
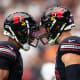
[(71, 40)]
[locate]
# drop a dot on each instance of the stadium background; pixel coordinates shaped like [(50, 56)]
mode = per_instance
[(39, 62)]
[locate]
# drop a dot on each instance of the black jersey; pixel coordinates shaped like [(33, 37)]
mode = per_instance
[(11, 60), (68, 45)]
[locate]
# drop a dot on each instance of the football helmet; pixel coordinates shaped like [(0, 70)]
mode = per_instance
[(56, 20), (21, 27)]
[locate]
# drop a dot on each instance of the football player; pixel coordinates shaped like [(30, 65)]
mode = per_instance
[(20, 28), (57, 22)]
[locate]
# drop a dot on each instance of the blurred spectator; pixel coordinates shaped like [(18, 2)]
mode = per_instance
[(71, 4), (4, 6), (27, 74), (37, 7), (37, 62), (74, 6), (50, 53), (28, 56), (48, 71), (34, 67)]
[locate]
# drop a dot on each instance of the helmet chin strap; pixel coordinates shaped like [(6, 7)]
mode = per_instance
[(26, 47), (52, 41)]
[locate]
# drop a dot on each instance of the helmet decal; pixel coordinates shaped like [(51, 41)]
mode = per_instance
[(59, 13), (23, 24), (16, 18), (52, 18)]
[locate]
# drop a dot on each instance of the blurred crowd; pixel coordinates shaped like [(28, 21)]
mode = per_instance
[(39, 63)]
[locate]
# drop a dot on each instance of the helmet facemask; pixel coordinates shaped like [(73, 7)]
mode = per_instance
[(53, 31), (29, 35), (34, 36)]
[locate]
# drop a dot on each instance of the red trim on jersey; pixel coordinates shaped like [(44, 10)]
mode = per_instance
[(71, 43), (57, 74), (69, 50), (8, 54), (8, 48)]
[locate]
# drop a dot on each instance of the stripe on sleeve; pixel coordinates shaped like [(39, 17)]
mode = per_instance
[(7, 51)]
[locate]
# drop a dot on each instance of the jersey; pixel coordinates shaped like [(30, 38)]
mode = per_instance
[(11, 60), (68, 45)]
